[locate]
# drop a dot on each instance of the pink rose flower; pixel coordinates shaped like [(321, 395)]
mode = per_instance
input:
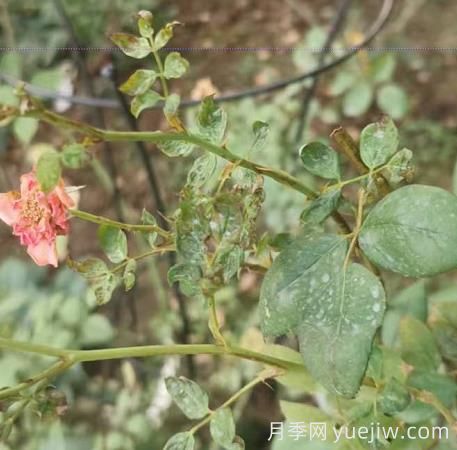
[(36, 217)]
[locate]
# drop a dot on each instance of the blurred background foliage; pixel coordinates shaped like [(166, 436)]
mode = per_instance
[(122, 406)]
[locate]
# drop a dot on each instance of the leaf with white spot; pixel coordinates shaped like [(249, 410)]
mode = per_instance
[(180, 441), (413, 231), (175, 66), (222, 427), (261, 131), (211, 121), (144, 101), (114, 243), (317, 210), (378, 142), (191, 399), (334, 311), (320, 160)]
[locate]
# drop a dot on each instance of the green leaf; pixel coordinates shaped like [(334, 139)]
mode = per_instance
[(442, 386), (192, 230), (180, 441), (222, 427), (96, 330), (378, 142), (133, 46), (342, 82), (144, 101), (296, 378), (334, 312), (48, 79), (113, 242), (129, 275), (412, 231), (101, 280), (202, 170), (302, 412), (148, 219), (383, 67), (139, 82), (48, 170), (358, 99), (410, 301), (261, 131), (176, 148), (188, 276), (320, 160), (191, 399), (417, 344), (74, 156), (10, 64), (393, 100), (171, 106), (164, 35), (400, 167), (393, 397), (175, 66), (296, 264), (211, 121), (317, 210), (230, 259), (25, 128), (8, 96), (145, 24), (446, 338)]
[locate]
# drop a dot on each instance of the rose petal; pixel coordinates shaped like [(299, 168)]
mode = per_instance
[(29, 183), (8, 211), (43, 253), (59, 190)]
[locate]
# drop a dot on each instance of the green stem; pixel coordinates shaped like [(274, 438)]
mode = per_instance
[(231, 400), (88, 217), (341, 184), (147, 351), (50, 373), (158, 137), (154, 251), (28, 347), (163, 81), (213, 322)]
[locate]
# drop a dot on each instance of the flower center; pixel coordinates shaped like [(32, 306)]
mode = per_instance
[(32, 211)]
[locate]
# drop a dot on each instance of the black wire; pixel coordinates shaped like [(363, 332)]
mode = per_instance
[(372, 32), (335, 28)]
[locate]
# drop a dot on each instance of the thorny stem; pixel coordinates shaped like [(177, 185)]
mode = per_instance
[(159, 137), (114, 223), (69, 357)]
